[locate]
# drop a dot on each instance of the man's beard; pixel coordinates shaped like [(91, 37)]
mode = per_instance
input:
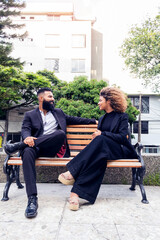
[(48, 105)]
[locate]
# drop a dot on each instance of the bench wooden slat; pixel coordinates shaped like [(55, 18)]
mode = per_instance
[(77, 136), (42, 158), (79, 141), (73, 154), (124, 160), (70, 158), (41, 163), (81, 130), (124, 164), (63, 161), (74, 147), (50, 163), (83, 126)]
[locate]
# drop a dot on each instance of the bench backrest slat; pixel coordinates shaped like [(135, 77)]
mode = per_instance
[(78, 136)]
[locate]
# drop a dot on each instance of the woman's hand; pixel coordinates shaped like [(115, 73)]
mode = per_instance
[(96, 133)]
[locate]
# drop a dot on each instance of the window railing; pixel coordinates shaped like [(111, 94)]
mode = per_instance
[(147, 149)]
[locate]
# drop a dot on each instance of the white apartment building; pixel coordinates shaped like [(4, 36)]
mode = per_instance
[(56, 40), (150, 122)]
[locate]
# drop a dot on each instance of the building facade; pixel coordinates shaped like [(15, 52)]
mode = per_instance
[(55, 41), (150, 121)]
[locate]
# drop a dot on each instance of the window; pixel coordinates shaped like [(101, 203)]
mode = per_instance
[(144, 106), (78, 41), (151, 149), (78, 65), (144, 127), (52, 40), (52, 64), (16, 137)]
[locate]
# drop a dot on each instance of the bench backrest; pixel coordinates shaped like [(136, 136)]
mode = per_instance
[(79, 136)]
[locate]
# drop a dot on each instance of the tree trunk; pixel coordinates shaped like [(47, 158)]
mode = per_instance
[(6, 127)]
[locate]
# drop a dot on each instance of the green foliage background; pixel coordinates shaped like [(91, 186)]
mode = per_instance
[(80, 98), (141, 52), (77, 98)]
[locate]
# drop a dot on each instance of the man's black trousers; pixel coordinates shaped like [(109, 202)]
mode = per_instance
[(46, 145)]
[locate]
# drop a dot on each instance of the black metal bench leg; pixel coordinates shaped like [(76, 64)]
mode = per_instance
[(12, 173), (10, 179), (17, 168), (132, 188), (140, 174)]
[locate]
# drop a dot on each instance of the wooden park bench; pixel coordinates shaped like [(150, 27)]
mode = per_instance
[(79, 136)]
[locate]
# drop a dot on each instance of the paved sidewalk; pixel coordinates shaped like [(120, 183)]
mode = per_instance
[(118, 214)]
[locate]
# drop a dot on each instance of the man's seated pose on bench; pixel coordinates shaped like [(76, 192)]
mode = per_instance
[(110, 142), (43, 134)]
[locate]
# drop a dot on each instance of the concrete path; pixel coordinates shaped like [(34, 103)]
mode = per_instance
[(118, 214)]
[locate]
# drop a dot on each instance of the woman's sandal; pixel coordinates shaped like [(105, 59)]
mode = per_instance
[(74, 203), (65, 181)]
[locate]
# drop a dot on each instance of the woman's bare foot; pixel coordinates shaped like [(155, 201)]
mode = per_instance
[(66, 178), (67, 175), (74, 202)]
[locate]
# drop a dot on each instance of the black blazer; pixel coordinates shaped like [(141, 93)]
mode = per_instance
[(119, 133), (33, 125)]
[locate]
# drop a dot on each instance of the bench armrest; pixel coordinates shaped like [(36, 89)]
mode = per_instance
[(5, 164), (138, 147)]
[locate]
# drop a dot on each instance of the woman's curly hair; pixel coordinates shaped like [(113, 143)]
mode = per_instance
[(118, 100)]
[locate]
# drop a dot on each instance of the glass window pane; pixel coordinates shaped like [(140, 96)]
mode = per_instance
[(136, 102), (144, 127), (145, 104), (52, 64), (74, 65), (78, 65), (135, 127), (81, 66)]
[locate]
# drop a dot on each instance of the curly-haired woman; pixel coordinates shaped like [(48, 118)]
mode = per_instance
[(110, 141)]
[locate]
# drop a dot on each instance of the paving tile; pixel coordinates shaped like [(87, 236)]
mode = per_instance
[(138, 232), (87, 232), (28, 230), (96, 213)]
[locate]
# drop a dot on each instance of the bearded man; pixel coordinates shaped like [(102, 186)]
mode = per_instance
[(43, 134)]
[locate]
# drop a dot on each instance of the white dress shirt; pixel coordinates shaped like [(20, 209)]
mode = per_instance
[(50, 124)]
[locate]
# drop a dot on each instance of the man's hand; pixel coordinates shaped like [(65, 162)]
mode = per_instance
[(96, 133), (29, 141)]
